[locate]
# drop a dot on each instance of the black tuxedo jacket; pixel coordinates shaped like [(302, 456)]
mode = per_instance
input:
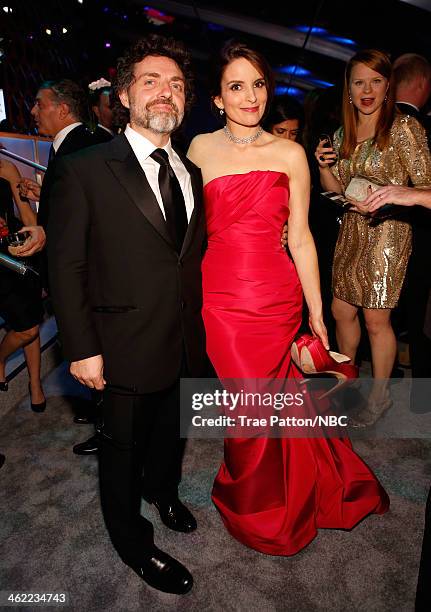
[(118, 285), (78, 138)]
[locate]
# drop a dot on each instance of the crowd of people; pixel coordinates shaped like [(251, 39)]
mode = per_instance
[(222, 256)]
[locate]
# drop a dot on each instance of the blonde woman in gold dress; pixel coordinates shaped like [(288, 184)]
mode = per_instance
[(371, 256)]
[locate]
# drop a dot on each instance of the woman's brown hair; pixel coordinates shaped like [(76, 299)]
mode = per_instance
[(379, 62)]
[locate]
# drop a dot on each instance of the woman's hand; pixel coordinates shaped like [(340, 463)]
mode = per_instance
[(359, 206), (318, 328), (325, 154)]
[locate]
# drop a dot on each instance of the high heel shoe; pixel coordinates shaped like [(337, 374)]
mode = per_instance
[(374, 411), (36, 407), (4, 385), (310, 356)]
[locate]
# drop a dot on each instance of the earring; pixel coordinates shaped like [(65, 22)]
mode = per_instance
[(221, 112), (386, 99), (350, 99)]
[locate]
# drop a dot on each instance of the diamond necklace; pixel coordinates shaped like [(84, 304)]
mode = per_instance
[(246, 140)]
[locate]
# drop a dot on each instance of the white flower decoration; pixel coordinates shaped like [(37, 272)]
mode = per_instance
[(99, 84)]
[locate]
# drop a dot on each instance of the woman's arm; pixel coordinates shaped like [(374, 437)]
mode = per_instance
[(326, 155), (396, 194), (10, 172), (328, 180), (300, 240)]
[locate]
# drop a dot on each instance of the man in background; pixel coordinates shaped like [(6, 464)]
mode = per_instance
[(412, 75)]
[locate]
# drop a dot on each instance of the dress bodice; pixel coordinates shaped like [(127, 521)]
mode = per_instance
[(246, 212), (405, 158)]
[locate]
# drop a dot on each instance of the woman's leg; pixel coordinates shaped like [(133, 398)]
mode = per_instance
[(32, 357), (382, 340), (13, 341), (348, 329), (383, 352)]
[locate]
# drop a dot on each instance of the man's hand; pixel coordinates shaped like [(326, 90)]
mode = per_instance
[(89, 372), (284, 235), (29, 189), (34, 243), (391, 194)]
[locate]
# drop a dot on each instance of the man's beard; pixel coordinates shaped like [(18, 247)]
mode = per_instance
[(160, 122)]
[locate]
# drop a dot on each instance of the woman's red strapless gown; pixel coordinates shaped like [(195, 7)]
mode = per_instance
[(272, 493)]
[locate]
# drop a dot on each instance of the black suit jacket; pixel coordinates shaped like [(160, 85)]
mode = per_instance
[(78, 138), (118, 285)]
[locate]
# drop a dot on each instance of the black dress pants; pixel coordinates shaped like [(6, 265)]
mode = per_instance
[(423, 594), (420, 346), (140, 453), (418, 288)]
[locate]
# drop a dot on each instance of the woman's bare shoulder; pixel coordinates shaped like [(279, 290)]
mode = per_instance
[(201, 144), (288, 149)]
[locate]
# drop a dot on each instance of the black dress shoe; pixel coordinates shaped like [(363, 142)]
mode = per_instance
[(164, 573), (4, 386), (83, 419), (175, 515), (89, 447), (2, 459)]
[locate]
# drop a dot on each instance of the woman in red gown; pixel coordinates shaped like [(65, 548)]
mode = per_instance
[(272, 493)]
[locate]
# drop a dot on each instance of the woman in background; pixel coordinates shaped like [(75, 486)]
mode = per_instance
[(285, 118), (20, 296), (371, 257)]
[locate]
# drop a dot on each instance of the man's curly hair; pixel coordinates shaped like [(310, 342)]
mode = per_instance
[(154, 44)]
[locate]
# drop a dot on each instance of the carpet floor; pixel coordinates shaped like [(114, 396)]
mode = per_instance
[(53, 538)]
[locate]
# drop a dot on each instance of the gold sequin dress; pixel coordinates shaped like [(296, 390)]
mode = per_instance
[(370, 260)]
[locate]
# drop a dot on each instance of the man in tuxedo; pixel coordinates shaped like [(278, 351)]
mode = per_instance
[(101, 105), (412, 75), (125, 240), (59, 111), (100, 100)]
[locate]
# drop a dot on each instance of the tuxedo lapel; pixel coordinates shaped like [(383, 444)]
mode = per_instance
[(197, 189), (408, 109), (126, 168)]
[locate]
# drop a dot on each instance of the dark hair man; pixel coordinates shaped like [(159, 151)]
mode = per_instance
[(125, 240)]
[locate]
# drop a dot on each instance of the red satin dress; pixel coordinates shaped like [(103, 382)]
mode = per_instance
[(272, 493)]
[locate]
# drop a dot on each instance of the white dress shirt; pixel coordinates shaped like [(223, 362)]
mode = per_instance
[(103, 127), (61, 135), (143, 148)]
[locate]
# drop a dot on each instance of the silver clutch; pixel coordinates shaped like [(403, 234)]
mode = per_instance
[(358, 188)]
